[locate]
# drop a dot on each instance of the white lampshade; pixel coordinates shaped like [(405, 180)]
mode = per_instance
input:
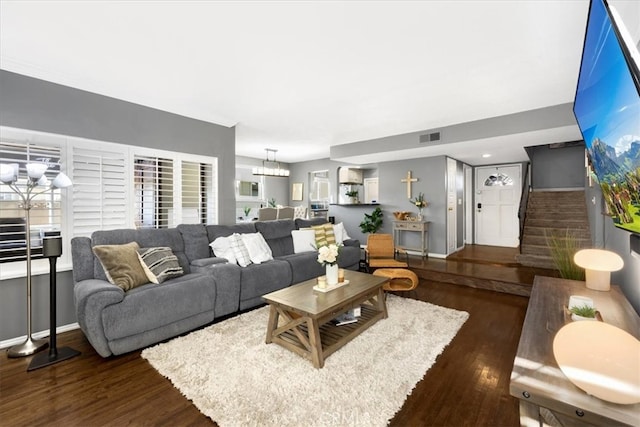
[(43, 181), (61, 181), (9, 172), (36, 170), (598, 265)]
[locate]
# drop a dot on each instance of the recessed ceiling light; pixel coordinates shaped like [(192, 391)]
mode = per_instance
[(486, 155)]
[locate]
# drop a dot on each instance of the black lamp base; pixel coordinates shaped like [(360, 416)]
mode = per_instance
[(41, 360)]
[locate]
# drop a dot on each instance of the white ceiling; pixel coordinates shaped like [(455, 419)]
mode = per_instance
[(302, 76)]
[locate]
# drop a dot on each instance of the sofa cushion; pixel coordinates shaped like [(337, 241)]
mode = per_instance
[(159, 264), (304, 266), (239, 250), (222, 248), (150, 307), (215, 231), (257, 247), (303, 241), (146, 238), (121, 265), (196, 236), (278, 235), (257, 280), (308, 223)]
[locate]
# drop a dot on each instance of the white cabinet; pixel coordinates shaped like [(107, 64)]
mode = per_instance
[(350, 176)]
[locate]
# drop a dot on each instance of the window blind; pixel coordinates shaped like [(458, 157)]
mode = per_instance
[(100, 194)]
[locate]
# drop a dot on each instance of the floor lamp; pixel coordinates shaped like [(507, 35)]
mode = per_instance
[(37, 183)]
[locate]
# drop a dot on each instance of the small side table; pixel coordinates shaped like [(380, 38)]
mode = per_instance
[(421, 227)]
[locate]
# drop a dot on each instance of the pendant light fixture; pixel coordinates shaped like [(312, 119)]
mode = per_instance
[(271, 167)]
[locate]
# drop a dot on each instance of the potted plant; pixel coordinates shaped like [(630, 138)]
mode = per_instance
[(272, 202), (247, 211), (563, 247), (352, 195), (372, 222), (419, 203), (583, 312)]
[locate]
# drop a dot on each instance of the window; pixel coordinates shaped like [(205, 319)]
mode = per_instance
[(498, 179), (153, 189), (45, 212), (114, 186), (100, 196), (197, 191)]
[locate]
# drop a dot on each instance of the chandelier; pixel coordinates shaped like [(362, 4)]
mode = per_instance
[(270, 167)]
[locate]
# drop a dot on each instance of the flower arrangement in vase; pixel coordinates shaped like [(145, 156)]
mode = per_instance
[(421, 203), (328, 256)]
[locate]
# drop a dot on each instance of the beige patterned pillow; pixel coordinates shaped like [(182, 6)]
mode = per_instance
[(121, 265), (159, 264), (324, 234)]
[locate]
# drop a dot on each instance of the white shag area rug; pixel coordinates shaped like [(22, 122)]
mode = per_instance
[(234, 378)]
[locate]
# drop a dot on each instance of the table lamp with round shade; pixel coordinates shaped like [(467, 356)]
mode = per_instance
[(598, 265)]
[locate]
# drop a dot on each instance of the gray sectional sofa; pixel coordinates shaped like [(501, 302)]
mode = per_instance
[(117, 321)]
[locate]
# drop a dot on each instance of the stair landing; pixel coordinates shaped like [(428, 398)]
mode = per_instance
[(483, 267)]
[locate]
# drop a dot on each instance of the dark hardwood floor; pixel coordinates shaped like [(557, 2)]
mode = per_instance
[(468, 384)]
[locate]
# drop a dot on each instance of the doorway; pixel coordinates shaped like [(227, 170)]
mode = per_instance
[(497, 191)]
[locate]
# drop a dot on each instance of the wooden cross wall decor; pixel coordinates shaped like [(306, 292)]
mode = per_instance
[(409, 180)]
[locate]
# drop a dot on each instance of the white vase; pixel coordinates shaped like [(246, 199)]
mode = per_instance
[(332, 274)]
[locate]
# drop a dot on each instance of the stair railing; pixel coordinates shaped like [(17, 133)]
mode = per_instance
[(524, 201)]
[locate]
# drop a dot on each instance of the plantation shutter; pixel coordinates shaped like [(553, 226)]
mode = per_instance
[(46, 209), (100, 193), (153, 191), (197, 195)]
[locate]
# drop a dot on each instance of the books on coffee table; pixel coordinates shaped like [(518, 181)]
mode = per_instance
[(344, 319)]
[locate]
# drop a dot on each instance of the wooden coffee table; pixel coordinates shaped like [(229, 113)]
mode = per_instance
[(300, 318)]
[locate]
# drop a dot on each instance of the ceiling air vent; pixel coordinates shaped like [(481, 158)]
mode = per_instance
[(430, 137)]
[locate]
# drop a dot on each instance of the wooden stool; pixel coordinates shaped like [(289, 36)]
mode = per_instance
[(400, 279)]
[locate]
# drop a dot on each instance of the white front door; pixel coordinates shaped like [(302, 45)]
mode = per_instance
[(497, 200)]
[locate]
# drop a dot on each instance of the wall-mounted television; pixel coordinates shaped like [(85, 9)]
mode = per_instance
[(607, 109)]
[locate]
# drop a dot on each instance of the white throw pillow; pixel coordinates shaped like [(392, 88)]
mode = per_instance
[(222, 248), (239, 250), (303, 240), (258, 248), (340, 233)]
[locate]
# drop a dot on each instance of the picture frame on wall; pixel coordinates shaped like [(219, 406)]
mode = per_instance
[(296, 192)]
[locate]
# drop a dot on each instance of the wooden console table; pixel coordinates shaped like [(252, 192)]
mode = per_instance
[(421, 227), (547, 397)]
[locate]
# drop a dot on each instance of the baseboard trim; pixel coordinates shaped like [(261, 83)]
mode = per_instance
[(38, 335), (431, 255)]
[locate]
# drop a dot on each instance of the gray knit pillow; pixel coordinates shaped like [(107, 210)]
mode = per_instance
[(159, 264)]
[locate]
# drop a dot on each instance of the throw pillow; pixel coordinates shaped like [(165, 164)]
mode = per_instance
[(239, 250), (159, 264), (303, 240), (258, 248), (222, 248), (121, 265), (345, 236), (324, 234)]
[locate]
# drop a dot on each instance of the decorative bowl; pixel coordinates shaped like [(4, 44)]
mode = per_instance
[(401, 216)]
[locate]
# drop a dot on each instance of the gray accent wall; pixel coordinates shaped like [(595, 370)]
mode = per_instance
[(38, 105), (557, 166), (431, 174)]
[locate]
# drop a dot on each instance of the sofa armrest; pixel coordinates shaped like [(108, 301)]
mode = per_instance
[(202, 264), (91, 297), (205, 262)]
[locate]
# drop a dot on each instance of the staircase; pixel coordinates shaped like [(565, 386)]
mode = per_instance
[(557, 212)]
